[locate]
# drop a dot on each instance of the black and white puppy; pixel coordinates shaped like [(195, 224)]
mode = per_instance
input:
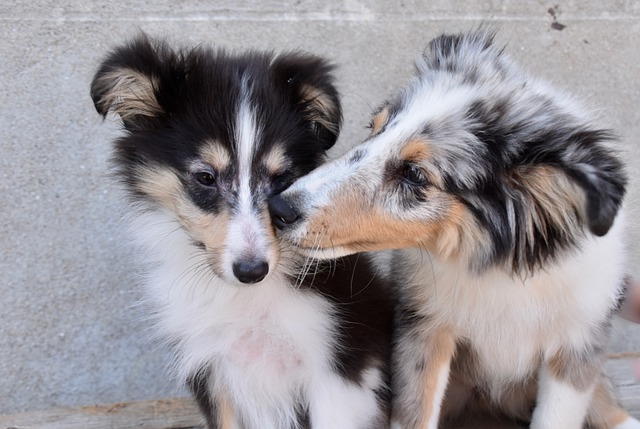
[(505, 196), (264, 338)]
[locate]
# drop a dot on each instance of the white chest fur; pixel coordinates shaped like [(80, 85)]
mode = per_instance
[(266, 343), (265, 332), (512, 322)]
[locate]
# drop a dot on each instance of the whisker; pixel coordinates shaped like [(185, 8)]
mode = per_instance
[(202, 270), (307, 262), (188, 270), (353, 273)]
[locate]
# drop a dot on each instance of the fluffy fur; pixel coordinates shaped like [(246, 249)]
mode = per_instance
[(506, 198), (263, 337)]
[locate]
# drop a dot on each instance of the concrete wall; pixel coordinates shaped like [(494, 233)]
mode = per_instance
[(70, 333)]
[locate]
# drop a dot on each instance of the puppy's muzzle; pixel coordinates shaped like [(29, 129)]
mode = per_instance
[(283, 213)]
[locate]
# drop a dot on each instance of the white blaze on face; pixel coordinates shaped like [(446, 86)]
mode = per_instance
[(317, 188), (351, 179), (248, 231), (358, 172)]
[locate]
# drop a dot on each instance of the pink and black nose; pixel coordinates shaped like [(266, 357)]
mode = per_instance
[(250, 271), (283, 212)]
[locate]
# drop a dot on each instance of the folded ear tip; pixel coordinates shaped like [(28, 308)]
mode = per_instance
[(314, 92), (125, 90), (600, 228), (97, 95), (603, 205), (600, 216)]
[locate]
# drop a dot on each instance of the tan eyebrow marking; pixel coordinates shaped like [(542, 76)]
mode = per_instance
[(379, 121), (416, 149), (215, 155), (275, 160)]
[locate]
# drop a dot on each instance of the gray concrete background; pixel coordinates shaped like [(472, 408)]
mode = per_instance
[(70, 333)]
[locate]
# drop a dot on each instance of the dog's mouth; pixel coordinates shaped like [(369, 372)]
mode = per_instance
[(313, 233), (319, 251), (324, 253), (309, 245)]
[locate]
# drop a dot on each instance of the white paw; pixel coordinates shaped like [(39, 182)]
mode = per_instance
[(629, 423)]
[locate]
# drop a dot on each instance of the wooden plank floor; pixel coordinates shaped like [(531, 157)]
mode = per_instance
[(182, 413), (178, 413)]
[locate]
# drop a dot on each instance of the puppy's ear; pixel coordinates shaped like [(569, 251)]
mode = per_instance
[(130, 82), (583, 175), (310, 82), (600, 174)]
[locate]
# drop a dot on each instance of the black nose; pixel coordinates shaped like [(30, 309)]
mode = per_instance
[(250, 271), (282, 212)]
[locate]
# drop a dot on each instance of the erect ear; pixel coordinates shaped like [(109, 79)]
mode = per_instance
[(311, 82), (129, 81)]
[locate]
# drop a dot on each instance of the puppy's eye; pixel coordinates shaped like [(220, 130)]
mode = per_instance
[(414, 175), (281, 182), (205, 178)]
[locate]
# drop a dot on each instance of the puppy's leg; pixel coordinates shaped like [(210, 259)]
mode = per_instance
[(216, 410), (628, 423), (566, 383), (338, 403), (605, 412), (422, 361), (560, 403)]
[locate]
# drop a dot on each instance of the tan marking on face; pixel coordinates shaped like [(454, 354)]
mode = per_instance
[(213, 229), (160, 183), (269, 230), (321, 108), (352, 221), (416, 149), (209, 229), (275, 161), (129, 93), (365, 229), (216, 155), (459, 235), (163, 185), (379, 121)]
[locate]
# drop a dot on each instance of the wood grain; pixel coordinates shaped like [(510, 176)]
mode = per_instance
[(182, 413), (177, 413)]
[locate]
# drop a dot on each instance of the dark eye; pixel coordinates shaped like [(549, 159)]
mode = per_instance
[(281, 182), (414, 175), (205, 178)]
